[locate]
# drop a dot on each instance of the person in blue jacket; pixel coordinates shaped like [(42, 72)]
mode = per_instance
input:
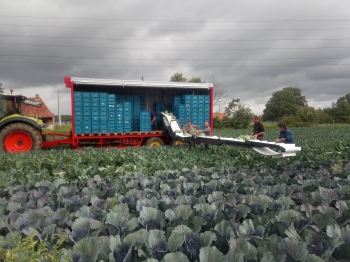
[(285, 134)]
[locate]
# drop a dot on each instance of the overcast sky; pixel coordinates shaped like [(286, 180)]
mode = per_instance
[(253, 48)]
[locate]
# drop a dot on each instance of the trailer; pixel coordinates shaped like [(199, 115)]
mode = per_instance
[(108, 112), (117, 113)]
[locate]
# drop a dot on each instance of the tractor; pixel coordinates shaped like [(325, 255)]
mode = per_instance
[(18, 133)]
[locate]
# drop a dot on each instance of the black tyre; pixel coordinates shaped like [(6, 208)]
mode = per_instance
[(20, 137), (154, 141)]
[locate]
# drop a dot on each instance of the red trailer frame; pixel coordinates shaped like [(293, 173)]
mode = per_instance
[(120, 140)]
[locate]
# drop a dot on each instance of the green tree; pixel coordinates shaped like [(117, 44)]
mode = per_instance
[(178, 77), (238, 115), (341, 109), (195, 79), (285, 102), (1, 88), (323, 117), (307, 114)]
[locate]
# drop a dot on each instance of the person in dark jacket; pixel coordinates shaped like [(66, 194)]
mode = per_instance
[(285, 134), (258, 131), (154, 116)]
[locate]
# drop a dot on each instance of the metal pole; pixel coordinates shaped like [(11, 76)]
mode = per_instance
[(59, 114)]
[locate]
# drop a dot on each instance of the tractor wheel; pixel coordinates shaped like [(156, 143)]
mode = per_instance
[(154, 141), (20, 137)]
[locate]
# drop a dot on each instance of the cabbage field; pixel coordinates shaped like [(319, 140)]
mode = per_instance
[(179, 204)]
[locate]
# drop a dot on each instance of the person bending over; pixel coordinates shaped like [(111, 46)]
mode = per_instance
[(285, 134)]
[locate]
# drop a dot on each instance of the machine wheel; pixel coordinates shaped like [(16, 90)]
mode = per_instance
[(154, 141), (20, 137)]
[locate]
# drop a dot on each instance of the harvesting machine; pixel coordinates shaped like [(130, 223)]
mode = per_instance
[(116, 113)]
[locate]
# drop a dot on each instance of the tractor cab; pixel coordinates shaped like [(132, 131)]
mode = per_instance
[(11, 104)]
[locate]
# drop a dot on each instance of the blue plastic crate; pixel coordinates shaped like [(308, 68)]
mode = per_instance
[(186, 99), (111, 97), (78, 94), (86, 95), (103, 103), (95, 119), (103, 118), (103, 130), (86, 102), (94, 103), (78, 103), (95, 94), (103, 95), (78, 113), (177, 100), (145, 129)]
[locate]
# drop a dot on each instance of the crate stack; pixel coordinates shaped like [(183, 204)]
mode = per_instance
[(119, 118), (180, 113), (78, 112), (193, 107), (145, 121), (206, 108), (176, 101), (87, 128), (127, 117), (103, 109), (95, 112), (136, 112), (111, 121)]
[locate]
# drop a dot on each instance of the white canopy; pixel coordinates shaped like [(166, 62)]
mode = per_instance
[(135, 83)]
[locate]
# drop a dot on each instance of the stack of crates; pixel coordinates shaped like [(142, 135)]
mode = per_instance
[(194, 110), (145, 121), (136, 112), (103, 112), (127, 117), (87, 123), (176, 102), (111, 113), (119, 118), (201, 108), (207, 108), (95, 112), (78, 112), (160, 107), (193, 107)]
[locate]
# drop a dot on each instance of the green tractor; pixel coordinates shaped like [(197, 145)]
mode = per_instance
[(18, 133)]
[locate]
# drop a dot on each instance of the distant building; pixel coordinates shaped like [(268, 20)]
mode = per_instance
[(219, 115), (42, 112)]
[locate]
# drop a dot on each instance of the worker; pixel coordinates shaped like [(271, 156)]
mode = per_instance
[(258, 131), (285, 134), (206, 131), (189, 128), (154, 116)]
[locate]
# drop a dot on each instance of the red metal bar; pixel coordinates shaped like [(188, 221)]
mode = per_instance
[(66, 140), (211, 110)]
